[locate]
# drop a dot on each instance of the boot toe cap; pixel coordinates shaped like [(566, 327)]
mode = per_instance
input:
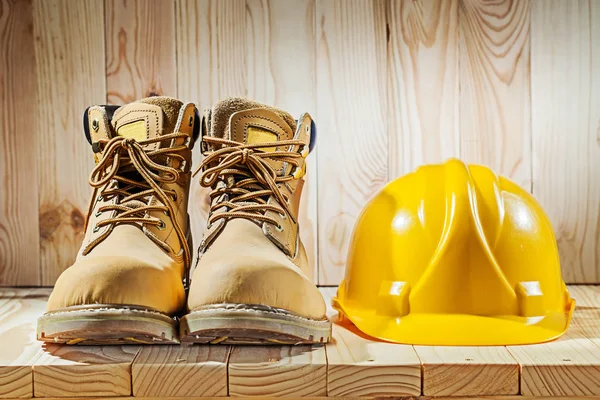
[(118, 281), (280, 286)]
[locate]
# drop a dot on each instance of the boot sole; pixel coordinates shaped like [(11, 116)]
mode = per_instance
[(251, 324), (107, 324)]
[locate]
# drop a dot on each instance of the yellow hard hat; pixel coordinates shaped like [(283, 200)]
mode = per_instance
[(455, 255)]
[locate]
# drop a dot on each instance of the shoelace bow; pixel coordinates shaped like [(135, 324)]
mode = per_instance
[(237, 159), (120, 153)]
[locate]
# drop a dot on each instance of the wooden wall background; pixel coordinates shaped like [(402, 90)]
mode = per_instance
[(391, 84)]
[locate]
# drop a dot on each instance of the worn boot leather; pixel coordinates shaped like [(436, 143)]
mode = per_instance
[(251, 284), (127, 282)]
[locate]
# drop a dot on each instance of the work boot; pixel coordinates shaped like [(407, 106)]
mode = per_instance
[(127, 283), (251, 284)]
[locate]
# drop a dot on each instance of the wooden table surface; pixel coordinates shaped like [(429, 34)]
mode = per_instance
[(350, 366)]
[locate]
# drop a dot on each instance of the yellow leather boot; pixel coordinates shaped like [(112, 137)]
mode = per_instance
[(127, 283), (250, 283)]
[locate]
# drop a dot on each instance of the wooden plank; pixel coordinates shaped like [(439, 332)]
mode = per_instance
[(19, 230), (87, 371), (180, 371), (211, 38), (360, 367), (277, 371), (587, 317), (565, 86), (140, 50), (495, 101), (468, 371), (70, 76), (281, 72), (352, 115), (569, 366), (344, 398), (19, 310), (513, 398), (423, 83)]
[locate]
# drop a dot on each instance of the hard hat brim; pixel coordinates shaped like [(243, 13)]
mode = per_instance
[(459, 329)]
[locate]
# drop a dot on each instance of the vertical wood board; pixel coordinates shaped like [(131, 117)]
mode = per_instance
[(19, 226), (69, 55), (352, 115), (495, 101), (140, 50), (423, 68), (565, 85)]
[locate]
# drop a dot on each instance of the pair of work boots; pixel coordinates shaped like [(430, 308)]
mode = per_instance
[(129, 283)]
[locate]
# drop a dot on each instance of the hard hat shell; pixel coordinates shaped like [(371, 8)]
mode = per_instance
[(454, 255)]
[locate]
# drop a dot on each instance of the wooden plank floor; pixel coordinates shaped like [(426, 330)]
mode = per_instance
[(351, 366)]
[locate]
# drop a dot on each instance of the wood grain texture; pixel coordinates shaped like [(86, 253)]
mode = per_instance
[(587, 317), (565, 86), (282, 72), (87, 371), (346, 398), (423, 94), (180, 371), (211, 65), (468, 371), (495, 101), (352, 115), (569, 366), (70, 76), (19, 231), (140, 50), (278, 371), (360, 367), (19, 310)]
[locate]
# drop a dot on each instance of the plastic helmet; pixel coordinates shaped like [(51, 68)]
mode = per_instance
[(454, 255)]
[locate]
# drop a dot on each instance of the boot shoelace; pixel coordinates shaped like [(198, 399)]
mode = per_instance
[(260, 179), (119, 155)]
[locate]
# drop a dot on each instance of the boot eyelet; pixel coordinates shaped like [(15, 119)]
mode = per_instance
[(98, 213), (96, 229), (279, 228), (161, 226), (283, 216), (175, 198), (298, 172), (99, 198), (304, 151)]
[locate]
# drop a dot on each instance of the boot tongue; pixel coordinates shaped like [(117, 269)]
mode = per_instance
[(147, 119), (249, 122)]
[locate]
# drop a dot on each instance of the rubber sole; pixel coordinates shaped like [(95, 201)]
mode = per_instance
[(107, 324), (251, 324)]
